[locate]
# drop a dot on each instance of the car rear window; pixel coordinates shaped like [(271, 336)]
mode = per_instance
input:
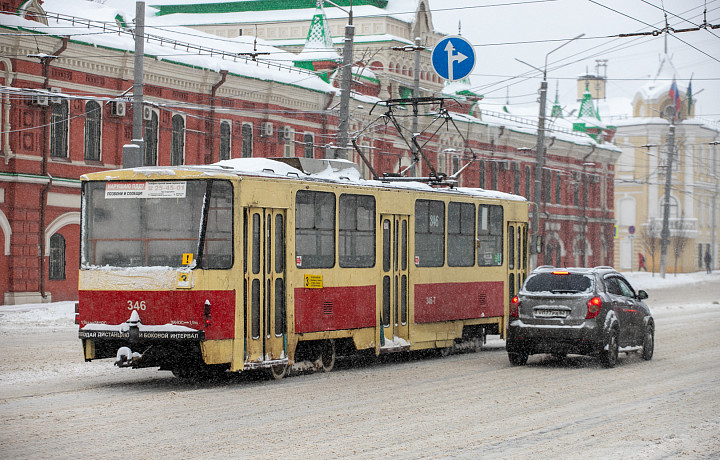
[(558, 283)]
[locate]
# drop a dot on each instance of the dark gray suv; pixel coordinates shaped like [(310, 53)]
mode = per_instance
[(587, 311)]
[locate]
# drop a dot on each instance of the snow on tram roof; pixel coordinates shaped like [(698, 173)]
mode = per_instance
[(335, 171)]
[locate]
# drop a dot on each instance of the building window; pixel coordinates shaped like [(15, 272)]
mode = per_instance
[(56, 267), (516, 178), (558, 188), (59, 130), (308, 147), (481, 174), (151, 139), (286, 138), (547, 186), (224, 153), (494, 176), (93, 117), (177, 147), (247, 140), (528, 182)]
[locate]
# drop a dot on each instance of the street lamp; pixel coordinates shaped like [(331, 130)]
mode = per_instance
[(540, 148)]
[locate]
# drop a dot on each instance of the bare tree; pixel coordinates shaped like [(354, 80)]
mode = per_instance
[(649, 241), (679, 239)]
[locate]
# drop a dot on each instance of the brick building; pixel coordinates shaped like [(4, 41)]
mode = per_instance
[(64, 113)]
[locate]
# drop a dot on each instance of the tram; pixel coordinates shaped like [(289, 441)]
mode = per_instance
[(274, 263)]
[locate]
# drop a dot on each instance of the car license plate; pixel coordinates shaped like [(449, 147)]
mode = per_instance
[(550, 313)]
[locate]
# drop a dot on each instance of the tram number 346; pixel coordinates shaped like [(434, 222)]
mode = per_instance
[(136, 305)]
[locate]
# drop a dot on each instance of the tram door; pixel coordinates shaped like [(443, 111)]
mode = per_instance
[(395, 282), (265, 306), (517, 239)]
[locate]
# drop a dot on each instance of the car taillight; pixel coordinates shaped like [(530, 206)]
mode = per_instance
[(593, 307), (207, 313), (515, 307), (77, 312)]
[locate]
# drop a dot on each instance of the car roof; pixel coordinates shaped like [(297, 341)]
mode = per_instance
[(600, 270)]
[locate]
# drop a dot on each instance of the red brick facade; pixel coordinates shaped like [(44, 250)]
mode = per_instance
[(40, 187)]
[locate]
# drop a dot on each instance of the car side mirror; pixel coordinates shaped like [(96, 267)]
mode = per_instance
[(642, 295)]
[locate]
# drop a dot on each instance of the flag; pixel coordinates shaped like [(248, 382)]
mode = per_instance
[(689, 96), (675, 96)]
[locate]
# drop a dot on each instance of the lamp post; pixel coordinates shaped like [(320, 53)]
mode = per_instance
[(540, 150)]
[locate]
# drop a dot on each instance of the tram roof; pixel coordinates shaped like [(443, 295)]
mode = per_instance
[(334, 171)]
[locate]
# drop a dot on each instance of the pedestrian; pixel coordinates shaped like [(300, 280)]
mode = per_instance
[(641, 262), (708, 261)]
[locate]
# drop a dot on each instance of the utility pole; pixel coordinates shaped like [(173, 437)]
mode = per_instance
[(714, 201), (133, 153), (665, 232), (345, 84)]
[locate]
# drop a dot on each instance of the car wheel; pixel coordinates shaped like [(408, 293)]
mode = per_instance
[(611, 349), (518, 358), (648, 343)]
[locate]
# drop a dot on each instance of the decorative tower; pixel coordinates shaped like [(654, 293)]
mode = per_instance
[(318, 54)]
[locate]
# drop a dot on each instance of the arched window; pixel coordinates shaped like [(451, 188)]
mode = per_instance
[(151, 139), (247, 140), (59, 129), (56, 268), (93, 118), (177, 147), (224, 153)]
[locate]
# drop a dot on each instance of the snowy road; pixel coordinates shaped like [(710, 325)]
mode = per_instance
[(473, 405)]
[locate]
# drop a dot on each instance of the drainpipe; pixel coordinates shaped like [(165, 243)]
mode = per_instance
[(46, 150), (209, 156)]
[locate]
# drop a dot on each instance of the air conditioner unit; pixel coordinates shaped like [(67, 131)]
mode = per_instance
[(118, 108), (55, 99), (40, 99), (266, 129), (287, 134), (147, 112)]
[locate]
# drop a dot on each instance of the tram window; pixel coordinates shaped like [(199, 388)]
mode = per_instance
[(315, 229), (429, 233), (490, 235), (256, 243), (357, 231), (461, 234), (279, 244), (218, 250), (511, 247)]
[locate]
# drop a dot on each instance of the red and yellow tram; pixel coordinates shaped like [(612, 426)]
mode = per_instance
[(254, 263)]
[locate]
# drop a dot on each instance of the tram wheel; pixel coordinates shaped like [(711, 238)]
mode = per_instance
[(327, 355), (280, 371)]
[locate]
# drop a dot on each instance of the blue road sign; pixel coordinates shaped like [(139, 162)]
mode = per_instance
[(453, 58)]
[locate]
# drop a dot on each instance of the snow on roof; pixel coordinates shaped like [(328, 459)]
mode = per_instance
[(403, 10), (274, 68)]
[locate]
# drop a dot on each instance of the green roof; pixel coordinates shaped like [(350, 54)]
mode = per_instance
[(254, 5)]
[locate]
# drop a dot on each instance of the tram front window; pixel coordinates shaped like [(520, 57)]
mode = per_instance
[(152, 223)]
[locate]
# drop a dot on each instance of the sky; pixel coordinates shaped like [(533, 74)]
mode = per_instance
[(529, 30)]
